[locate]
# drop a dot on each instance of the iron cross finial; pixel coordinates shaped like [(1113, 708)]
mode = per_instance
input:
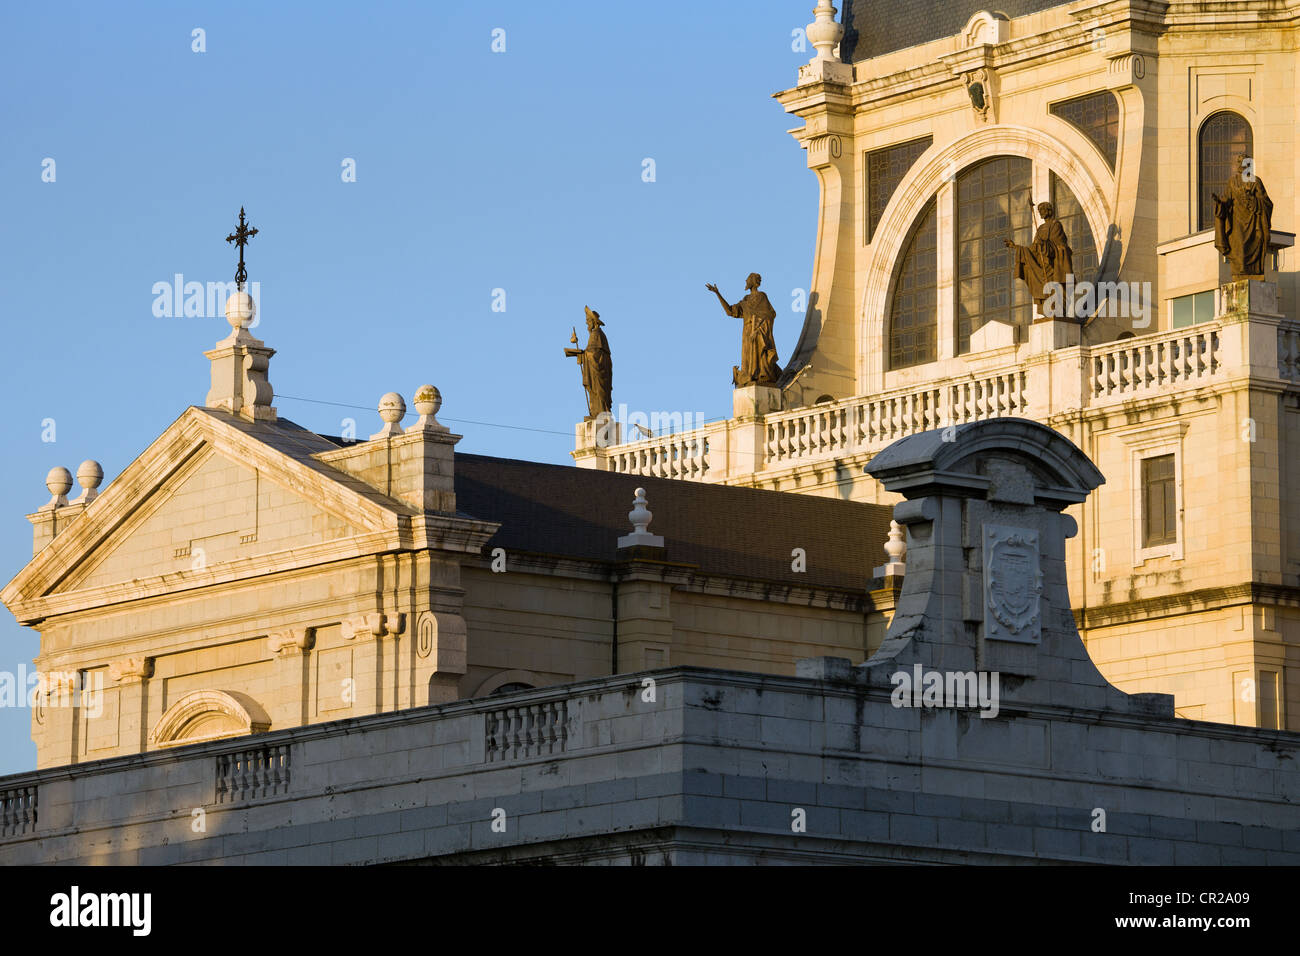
[(240, 238)]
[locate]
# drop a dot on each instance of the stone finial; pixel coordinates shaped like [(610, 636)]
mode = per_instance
[(427, 402), (392, 409), (640, 517), (896, 551), (825, 33), (240, 310), (59, 483), (89, 475)]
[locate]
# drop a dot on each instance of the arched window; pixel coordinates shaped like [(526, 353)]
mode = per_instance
[(988, 203), (1222, 137), (993, 204), (914, 314)]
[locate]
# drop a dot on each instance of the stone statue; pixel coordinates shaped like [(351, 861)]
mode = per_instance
[(597, 366), (1049, 259), (758, 359), (1243, 220)]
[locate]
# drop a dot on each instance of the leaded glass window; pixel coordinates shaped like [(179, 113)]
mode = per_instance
[(914, 313), (1082, 244), (993, 204), (1223, 136), (1097, 117), (885, 170)]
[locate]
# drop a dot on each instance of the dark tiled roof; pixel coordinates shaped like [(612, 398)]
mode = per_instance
[(738, 532), (873, 27)]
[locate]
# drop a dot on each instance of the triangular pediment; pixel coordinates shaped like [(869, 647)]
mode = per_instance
[(209, 500)]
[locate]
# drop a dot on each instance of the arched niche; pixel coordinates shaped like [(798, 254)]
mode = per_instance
[(209, 715)]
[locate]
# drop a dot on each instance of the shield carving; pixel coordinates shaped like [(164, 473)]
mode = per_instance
[(1013, 584)]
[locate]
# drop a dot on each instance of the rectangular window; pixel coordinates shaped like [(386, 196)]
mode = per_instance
[(1187, 310), (1159, 502)]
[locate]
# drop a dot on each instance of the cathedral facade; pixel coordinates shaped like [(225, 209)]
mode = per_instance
[(935, 131)]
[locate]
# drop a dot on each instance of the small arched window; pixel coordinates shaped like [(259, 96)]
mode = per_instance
[(511, 687), (1223, 136)]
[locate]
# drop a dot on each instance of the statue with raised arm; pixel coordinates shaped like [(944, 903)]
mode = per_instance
[(1048, 259), (758, 358), (597, 366), (1243, 221)]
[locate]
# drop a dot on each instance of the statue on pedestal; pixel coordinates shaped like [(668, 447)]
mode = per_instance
[(1049, 259), (1243, 220), (758, 358), (597, 366)]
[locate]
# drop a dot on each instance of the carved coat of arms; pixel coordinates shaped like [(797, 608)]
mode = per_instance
[(1013, 584)]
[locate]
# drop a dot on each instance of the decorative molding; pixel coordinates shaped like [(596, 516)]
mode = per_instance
[(376, 624), (131, 669), (295, 640)]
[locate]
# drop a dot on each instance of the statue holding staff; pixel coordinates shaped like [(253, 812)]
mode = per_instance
[(597, 366)]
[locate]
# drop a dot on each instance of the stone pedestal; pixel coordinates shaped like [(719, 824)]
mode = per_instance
[(1249, 320), (1047, 335), (991, 336), (593, 438), (239, 377), (752, 401)]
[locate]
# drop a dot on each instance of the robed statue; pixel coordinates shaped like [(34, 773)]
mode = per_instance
[(758, 359), (1047, 260), (1243, 220), (597, 366)]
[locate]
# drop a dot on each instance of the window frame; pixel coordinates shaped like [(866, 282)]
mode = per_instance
[(1199, 210), (1154, 442)]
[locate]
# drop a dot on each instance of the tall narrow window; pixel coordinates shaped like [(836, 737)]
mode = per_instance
[(1222, 137), (993, 204), (1083, 246), (1159, 502), (1097, 117), (885, 170), (914, 315)]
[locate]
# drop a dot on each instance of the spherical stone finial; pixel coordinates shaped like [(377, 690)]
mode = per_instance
[(240, 310), (427, 401), (90, 474), (58, 482), (392, 408)]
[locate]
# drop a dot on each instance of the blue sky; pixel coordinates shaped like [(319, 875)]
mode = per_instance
[(475, 171)]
